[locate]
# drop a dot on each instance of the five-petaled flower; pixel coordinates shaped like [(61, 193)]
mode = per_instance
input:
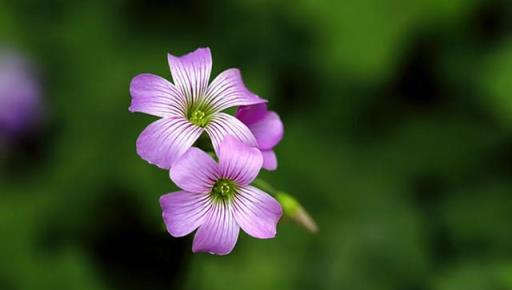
[(189, 107), (266, 127), (218, 199)]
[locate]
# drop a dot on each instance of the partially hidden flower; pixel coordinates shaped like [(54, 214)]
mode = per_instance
[(218, 200), (189, 107), (20, 95), (266, 127)]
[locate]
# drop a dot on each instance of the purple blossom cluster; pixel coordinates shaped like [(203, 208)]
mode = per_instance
[(216, 197)]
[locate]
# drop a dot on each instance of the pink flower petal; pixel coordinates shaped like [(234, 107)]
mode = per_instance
[(183, 212), (256, 212), (195, 171), (165, 140), (219, 233), (222, 125), (268, 131), (156, 96), (251, 114), (191, 73), (265, 125), (228, 90), (238, 161), (269, 159)]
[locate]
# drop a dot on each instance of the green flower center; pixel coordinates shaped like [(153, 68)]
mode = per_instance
[(199, 114), (198, 117), (223, 190)]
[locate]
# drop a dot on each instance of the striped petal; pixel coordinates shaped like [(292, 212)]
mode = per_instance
[(195, 171), (256, 212), (183, 212), (165, 140), (156, 96), (228, 90), (238, 161), (222, 125), (191, 73), (219, 233)]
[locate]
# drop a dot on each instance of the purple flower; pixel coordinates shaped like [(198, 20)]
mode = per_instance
[(189, 107), (266, 127), (218, 198), (20, 95)]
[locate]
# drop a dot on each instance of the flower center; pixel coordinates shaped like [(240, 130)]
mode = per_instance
[(223, 190), (198, 117)]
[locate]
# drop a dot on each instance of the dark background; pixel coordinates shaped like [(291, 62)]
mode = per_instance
[(398, 140)]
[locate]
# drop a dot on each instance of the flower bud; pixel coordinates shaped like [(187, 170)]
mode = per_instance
[(294, 210)]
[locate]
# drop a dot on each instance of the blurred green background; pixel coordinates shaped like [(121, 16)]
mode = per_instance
[(398, 140)]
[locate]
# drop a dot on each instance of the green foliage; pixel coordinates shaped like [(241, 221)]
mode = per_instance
[(397, 141)]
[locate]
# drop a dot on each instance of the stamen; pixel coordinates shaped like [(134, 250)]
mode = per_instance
[(223, 190), (199, 118)]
